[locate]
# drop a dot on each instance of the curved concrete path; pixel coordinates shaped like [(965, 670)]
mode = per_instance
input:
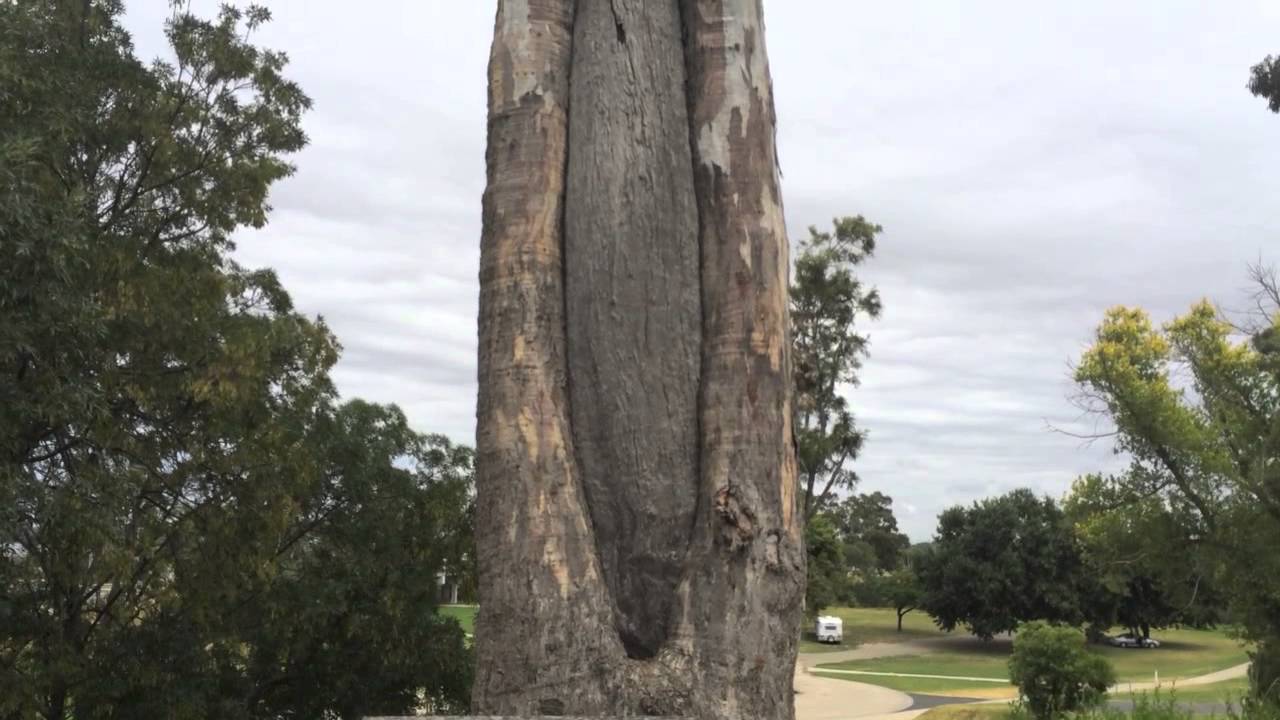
[(822, 698), (1230, 673), (819, 698), (825, 698), (870, 651)]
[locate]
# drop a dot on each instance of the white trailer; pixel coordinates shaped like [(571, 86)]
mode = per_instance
[(829, 629)]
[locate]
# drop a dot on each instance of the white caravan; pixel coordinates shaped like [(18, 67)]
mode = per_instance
[(830, 629)]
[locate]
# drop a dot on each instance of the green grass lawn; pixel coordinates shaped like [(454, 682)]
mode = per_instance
[(464, 614), (1228, 692), (966, 712), (982, 664), (929, 686), (1183, 654), (870, 625)]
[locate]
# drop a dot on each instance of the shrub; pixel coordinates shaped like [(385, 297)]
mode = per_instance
[(1264, 672), (1253, 708), (1054, 672)]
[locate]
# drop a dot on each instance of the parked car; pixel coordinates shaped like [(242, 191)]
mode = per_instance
[(1132, 641)]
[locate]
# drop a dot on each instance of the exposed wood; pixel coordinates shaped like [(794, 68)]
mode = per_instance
[(633, 303)]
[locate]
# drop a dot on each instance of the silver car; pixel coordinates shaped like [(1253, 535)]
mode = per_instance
[(1131, 641)]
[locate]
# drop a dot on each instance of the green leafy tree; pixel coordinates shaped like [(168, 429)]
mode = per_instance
[(827, 302), (869, 530), (1055, 673), (899, 590), (346, 625), (875, 553), (189, 527), (1196, 407), (1264, 82), (902, 587), (1145, 571), (827, 575), (460, 566), (1001, 562)]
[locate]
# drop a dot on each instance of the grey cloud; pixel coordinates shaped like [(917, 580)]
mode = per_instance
[(1033, 164)]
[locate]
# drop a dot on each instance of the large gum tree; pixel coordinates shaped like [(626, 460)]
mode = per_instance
[(639, 541)]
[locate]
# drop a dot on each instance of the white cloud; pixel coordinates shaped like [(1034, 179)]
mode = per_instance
[(1032, 164)]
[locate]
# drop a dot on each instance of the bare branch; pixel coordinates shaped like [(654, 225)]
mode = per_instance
[(1267, 292), (1089, 437)]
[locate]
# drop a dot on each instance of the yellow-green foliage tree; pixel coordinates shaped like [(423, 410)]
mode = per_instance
[(1196, 406)]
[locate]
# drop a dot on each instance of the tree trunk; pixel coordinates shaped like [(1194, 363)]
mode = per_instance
[(633, 305), (639, 541)]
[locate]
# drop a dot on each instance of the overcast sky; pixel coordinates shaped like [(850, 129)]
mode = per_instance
[(1032, 164)]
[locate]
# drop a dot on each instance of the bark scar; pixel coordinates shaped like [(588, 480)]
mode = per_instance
[(617, 23), (771, 556), (740, 521)]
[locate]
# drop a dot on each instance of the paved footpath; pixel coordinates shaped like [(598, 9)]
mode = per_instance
[(1230, 673), (824, 698), (819, 698)]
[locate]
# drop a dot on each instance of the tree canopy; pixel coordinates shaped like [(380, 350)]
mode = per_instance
[(191, 525), (1145, 572), (827, 302), (902, 591), (1001, 562), (856, 553), (869, 531), (1264, 82), (828, 577), (1196, 407)]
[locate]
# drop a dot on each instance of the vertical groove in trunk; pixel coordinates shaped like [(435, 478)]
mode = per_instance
[(633, 303), (544, 614)]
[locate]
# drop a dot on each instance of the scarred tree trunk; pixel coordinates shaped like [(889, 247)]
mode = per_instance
[(639, 544)]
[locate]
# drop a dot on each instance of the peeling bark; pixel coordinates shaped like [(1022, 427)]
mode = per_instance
[(639, 544), (752, 551), (537, 567)]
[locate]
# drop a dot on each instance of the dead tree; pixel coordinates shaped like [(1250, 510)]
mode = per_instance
[(639, 543)]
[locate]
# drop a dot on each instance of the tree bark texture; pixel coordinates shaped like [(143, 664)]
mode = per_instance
[(639, 544), (633, 307)]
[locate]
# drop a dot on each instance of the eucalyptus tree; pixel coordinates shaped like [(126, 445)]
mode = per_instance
[(639, 535)]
